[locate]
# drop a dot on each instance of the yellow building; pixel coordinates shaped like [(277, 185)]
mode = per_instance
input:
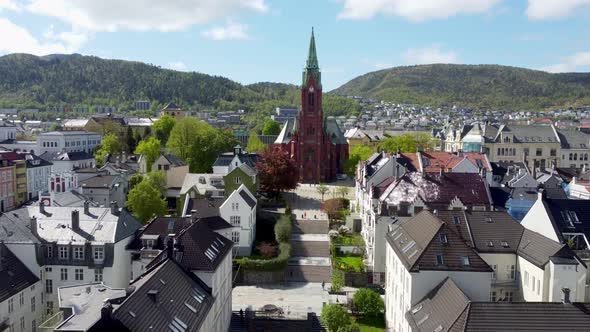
[(174, 111), (21, 181), (356, 136)]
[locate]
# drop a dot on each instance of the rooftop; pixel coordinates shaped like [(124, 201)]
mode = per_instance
[(14, 275)]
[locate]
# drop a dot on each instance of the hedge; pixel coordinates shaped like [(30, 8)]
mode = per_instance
[(273, 264), (283, 229)]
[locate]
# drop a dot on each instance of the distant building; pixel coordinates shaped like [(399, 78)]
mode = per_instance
[(68, 141), (142, 105), (284, 114), (174, 111)]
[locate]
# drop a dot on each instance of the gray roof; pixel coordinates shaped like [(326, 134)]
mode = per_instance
[(250, 171), (494, 231), (205, 207), (202, 248), (539, 249), (64, 156), (14, 275), (100, 181), (287, 132), (68, 133), (248, 198), (173, 159), (525, 134), (574, 139), (165, 296), (333, 131)]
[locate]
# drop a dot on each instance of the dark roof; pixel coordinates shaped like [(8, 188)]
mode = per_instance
[(173, 159), (14, 275), (204, 207), (202, 248), (419, 240), (60, 156), (523, 133), (99, 181), (573, 139), (247, 158), (567, 173), (127, 225), (167, 295), (568, 216), (287, 132), (494, 231), (249, 200), (500, 196), (215, 223), (539, 249), (171, 106), (333, 131), (439, 309)]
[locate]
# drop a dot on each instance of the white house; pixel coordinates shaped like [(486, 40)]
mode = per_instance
[(68, 141), (66, 246), (240, 210), (578, 189), (68, 161), (203, 184), (104, 189), (227, 162), (21, 300), (38, 173)]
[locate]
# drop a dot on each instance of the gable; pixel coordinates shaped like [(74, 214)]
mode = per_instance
[(465, 166)]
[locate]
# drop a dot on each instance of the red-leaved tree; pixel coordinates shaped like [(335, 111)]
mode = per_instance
[(276, 171)]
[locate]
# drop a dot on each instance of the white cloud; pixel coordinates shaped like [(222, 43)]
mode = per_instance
[(142, 15), (433, 54), (72, 39), (231, 31), (9, 5), (177, 65), (16, 39), (554, 9), (575, 62), (414, 10)]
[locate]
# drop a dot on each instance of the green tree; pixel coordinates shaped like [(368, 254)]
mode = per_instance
[(335, 316), (402, 143), (199, 144), (130, 140), (145, 201), (343, 191), (150, 148), (162, 127), (357, 153), (368, 302), (271, 127), (322, 190), (110, 145), (135, 180), (158, 180), (350, 328), (255, 145), (424, 141), (283, 229)]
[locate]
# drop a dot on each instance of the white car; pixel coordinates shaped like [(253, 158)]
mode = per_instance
[(341, 176)]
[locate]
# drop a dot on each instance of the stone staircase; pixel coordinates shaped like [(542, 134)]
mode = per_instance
[(310, 252), (310, 248), (311, 226)]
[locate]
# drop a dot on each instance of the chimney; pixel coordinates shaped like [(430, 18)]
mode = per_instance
[(540, 193), (153, 295), (33, 226), (75, 220), (106, 311), (566, 295), (114, 208), (41, 207), (170, 248), (86, 207)]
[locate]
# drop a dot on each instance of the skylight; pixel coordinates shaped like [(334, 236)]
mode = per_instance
[(198, 295), (190, 307), (177, 325)]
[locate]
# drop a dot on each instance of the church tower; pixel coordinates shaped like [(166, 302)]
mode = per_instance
[(311, 124)]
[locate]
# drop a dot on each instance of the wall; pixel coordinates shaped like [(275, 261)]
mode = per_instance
[(247, 225), (528, 271), (504, 282), (221, 283), (566, 276), (121, 269), (24, 310), (37, 180), (538, 221)]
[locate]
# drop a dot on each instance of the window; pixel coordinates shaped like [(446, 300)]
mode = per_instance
[(238, 180), (440, 260), (444, 239), (98, 253), (64, 274), (539, 152), (553, 152), (465, 260), (509, 296), (533, 283), (493, 296), (495, 272), (235, 206), (48, 286), (512, 272), (526, 278), (79, 252), (21, 299), (10, 305), (49, 252), (538, 286), (48, 269), (79, 274), (33, 305), (98, 275), (22, 323), (63, 252), (147, 243), (34, 325), (526, 151), (235, 237), (49, 307), (456, 220), (235, 220)]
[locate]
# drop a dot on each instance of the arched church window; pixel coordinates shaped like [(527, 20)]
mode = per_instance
[(311, 97)]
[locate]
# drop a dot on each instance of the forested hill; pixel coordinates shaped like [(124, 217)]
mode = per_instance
[(490, 86), (31, 81)]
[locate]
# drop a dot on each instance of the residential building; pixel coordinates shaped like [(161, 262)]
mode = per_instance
[(283, 114), (68, 141), (447, 162), (174, 169), (357, 136), (174, 111), (7, 185), (241, 175), (66, 246), (142, 105), (7, 131), (104, 189), (319, 148), (38, 173), (123, 165), (575, 148), (68, 161), (239, 208), (578, 189), (203, 185), (447, 307), (21, 300), (228, 161)]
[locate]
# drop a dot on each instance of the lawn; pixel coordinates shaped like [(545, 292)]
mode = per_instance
[(371, 324), (355, 262), (350, 240)]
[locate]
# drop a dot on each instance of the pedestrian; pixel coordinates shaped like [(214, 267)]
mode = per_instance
[(242, 314), (323, 285)]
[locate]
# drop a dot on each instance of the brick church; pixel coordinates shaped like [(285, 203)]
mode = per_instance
[(318, 146)]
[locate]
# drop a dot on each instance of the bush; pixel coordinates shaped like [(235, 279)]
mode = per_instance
[(350, 328), (273, 264), (337, 280), (335, 317), (368, 302), (266, 249), (283, 229)]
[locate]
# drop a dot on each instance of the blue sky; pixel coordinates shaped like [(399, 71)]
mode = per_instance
[(266, 40)]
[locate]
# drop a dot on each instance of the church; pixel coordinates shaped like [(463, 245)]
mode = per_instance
[(317, 145)]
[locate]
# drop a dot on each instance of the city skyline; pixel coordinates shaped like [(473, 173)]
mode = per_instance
[(263, 40)]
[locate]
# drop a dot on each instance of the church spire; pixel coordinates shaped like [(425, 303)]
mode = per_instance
[(312, 58)]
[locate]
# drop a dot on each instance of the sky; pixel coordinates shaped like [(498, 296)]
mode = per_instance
[(267, 40)]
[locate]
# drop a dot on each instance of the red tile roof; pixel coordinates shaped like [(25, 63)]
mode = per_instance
[(433, 161)]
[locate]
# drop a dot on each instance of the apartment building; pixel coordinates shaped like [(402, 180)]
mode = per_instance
[(68, 141)]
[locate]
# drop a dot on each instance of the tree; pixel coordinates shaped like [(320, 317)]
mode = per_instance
[(110, 145), (335, 317), (277, 171), (271, 127), (333, 208), (158, 180), (130, 140), (368, 302), (162, 127), (322, 190), (424, 142), (343, 191), (135, 180), (199, 144), (145, 201), (150, 148), (267, 250), (255, 145), (408, 143), (357, 153), (350, 328), (283, 229)]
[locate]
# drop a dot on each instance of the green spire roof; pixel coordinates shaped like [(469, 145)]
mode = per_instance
[(312, 58)]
